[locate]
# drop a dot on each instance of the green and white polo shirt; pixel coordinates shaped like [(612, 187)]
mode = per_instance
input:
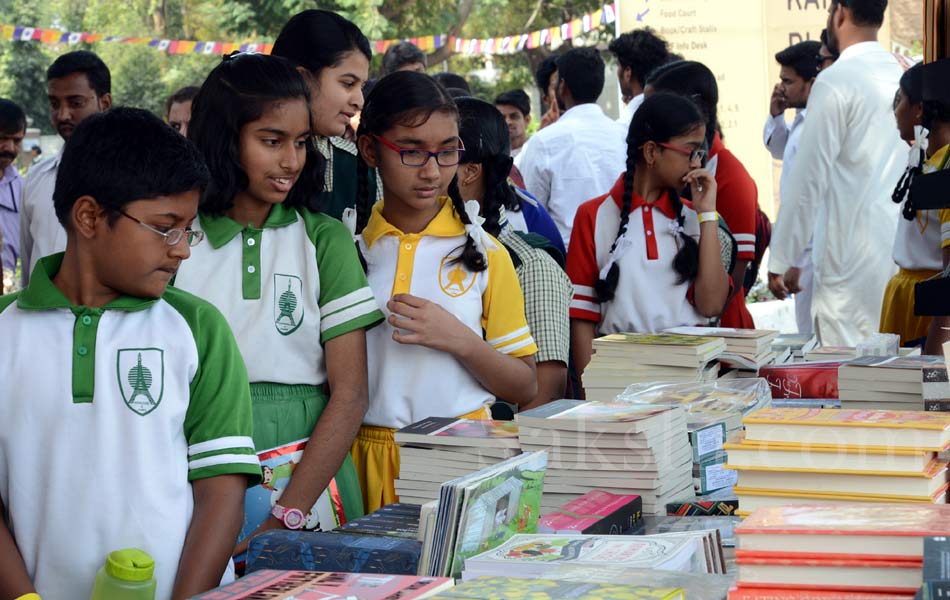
[(286, 289), (106, 415)]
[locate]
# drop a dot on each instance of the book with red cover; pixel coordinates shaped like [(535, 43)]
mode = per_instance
[(859, 531), (835, 574), (785, 594), (596, 512), (317, 585), (802, 380)]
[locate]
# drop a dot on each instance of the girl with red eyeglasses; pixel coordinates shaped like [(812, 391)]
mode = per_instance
[(640, 258)]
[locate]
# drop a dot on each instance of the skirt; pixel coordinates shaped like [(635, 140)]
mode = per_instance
[(285, 413), (376, 457), (897, 311)]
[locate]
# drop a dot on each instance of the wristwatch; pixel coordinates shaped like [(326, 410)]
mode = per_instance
[(292, 518)]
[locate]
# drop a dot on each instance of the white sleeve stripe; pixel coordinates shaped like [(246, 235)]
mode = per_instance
[(224, 459), (585, 290), (343, 316), (515, 346), (511, 336), (351, 299), (585, 305), (744, 237), (234, 442), (745, 247)]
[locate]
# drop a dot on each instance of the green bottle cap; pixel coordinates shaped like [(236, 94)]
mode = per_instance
[(130, 564)]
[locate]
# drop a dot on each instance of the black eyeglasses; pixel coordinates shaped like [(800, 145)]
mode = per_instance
[(417, 157), (172, 236)]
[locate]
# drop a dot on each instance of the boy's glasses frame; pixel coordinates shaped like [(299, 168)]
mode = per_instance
[(173, 236), (696, 154), (417, 157)]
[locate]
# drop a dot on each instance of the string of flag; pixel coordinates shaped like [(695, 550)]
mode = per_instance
[(509, 44)]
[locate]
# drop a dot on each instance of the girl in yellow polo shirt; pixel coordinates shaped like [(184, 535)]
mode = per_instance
[(455, 335)]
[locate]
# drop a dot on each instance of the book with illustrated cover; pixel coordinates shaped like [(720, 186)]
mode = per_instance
[(802, 380), (877, 428), (311, 585), (596, 512), (702, 508), (513, 588), (447, 431)]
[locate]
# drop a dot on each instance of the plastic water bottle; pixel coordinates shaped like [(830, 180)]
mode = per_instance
[(127, 575)]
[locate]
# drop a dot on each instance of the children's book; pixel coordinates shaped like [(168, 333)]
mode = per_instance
[(872, 530), (316, 585), (878, 428), (596, 512), (446, 431), (511, 588)]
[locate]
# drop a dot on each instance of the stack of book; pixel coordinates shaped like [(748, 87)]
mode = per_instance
[(824, 353), (617, 447), (438, 449), (851, 548), (626, 358), (481, 510), (393, 520), (483, 588), (746, 349), (797, 344), (884, 382), (299, 585), (790, 455)]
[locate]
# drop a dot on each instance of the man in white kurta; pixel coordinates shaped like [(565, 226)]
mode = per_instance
[(839, 191)]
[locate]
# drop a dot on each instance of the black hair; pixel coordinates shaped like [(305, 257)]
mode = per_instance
[(912, 83), (106, 159), (582, 71), (485, 137), (236, 92), (12, 117), (456, 93), (408, 98), (37, 148), (400, 54), (517, 98), (866, 13), (185, 94), (660, 118), (641, 51), (801, 58), (82, 61), (317, 39), (452, 80), (542, 77), (695, 81)]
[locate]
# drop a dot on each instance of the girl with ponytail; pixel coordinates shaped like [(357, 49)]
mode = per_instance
[(641, 259), (456, 335)]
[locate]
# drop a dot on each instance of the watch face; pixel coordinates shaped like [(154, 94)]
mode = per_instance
[(293, 518)]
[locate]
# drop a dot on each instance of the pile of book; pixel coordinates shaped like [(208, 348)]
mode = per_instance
[(792, 455), (291, 585), (626, 358), (393, 520), (884, 382), (479, 511), (438, 449), (846, 548), (824, 353), (746, 349), (484, 588), (797, 345), (617, 447)]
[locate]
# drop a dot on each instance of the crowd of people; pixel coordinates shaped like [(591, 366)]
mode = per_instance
[(299, 251)]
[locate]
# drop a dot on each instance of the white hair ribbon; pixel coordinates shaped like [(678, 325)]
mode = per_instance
[(919, 148), (349, 219), (474, 228), (621, 246), (675, 228)]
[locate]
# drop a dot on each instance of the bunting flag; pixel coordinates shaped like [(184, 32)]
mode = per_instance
[(550, 36)]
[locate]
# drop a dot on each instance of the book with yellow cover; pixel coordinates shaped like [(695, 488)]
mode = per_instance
[(844, 481), (827, 426), (748, 454)]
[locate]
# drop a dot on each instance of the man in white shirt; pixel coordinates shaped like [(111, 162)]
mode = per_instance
[(78, 85), (799, 69), (638, 52), (581, 155), (840, 186)]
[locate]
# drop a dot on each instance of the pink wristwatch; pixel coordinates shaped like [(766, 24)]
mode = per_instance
[(292, 518)]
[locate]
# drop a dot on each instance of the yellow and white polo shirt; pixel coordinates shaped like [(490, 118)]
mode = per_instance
[(286, 289), (106, 416), (407, 382)]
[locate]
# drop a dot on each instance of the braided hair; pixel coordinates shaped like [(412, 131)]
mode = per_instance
[(660, 118), (911, 85), (408, 98)]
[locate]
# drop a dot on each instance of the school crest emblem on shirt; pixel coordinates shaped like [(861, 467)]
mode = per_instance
[(141, 374), (454, 279), (288, 305)]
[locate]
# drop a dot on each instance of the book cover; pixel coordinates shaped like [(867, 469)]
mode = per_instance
[(724, 332), (850, 519), (702, 508), (451, 431), (511, 588), (395, 520), (713, 474), (937, 556), (897, 362), (821, 573), (802, 380), (302, 585), (657, 339), (596, 512), (652, 525), (335, 552), (896, 419), (593, 416)]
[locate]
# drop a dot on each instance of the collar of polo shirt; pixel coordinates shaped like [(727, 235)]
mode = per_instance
[(445, 224), (42, 294), (221, 229)]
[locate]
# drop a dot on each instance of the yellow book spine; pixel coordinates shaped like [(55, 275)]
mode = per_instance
[(931, 471), (861, 496)]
